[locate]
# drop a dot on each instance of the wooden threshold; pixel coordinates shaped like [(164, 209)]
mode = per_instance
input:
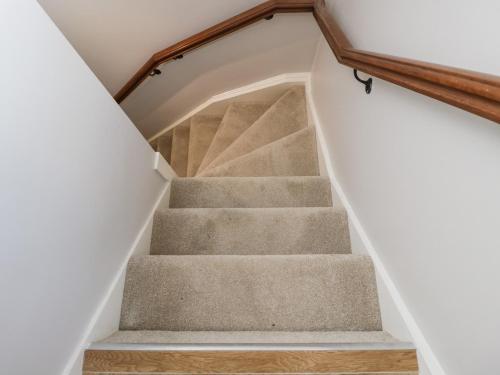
[(358, 362)]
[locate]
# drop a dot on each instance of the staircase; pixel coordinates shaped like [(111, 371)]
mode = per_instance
[(251, 268)]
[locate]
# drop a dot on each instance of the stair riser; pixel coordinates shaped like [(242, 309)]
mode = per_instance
[(379, 362), (164, 146), (251, 192), (180, 149), (250, 231), (203, 129)]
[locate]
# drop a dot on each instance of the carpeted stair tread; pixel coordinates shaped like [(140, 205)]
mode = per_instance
[(164, 146), (180, 149), (237, 118), (250, 231), (203, 129), (249, 337), (250, 192), (250, 293), (294, 155), (284, 117)]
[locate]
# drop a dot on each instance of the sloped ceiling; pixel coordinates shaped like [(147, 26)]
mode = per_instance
[(284, 45), (115, 37)]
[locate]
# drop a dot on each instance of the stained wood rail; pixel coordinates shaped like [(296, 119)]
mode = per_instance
[(228, 26), (474, 92)]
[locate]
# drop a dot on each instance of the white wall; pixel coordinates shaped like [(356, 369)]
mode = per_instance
[(77, 185), (422, 176), (457, 33), (106, 319), (116, 37)]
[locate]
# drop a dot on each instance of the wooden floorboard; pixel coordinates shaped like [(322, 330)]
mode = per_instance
[(251, 362)]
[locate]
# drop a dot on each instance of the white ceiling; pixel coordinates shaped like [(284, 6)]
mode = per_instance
[(116, 37)]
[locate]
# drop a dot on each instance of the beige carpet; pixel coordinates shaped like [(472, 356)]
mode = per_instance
[(250, 293), (164, 146), (250, 231), (293, 155), (203, 129), (250, 250), (284, 117), (180, 149), (250, 192), (237, 119)]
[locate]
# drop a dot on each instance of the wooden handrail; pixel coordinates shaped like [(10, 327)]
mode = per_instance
[(474, 92), (228, 26)]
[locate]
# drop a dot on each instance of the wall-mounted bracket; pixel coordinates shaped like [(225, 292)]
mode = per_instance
[(155, 72), (270, 17), (368, 83)]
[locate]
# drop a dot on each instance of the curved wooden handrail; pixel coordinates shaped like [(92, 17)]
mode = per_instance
[(228, 26), (474, 92)]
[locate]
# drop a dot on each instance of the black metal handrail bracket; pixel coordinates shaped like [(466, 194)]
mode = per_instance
[(368, 83)]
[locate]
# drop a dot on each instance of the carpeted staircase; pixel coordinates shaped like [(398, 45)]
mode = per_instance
[(250, 250)]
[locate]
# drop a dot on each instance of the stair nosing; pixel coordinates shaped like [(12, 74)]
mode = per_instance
[(255, 347), (248, 209)]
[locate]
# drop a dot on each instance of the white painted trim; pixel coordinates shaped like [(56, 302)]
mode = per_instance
[(163, 168), (419, 340), (84, 342), (259, 85)]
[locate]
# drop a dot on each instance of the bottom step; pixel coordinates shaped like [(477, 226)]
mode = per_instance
[(250, 352), (395, 361)]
